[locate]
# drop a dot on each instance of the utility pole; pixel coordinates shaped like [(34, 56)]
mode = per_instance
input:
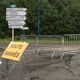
[(38, 18)]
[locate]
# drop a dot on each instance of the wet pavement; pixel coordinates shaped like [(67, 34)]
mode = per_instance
[(41, 66)]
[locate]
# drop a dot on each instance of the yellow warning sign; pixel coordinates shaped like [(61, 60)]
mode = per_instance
[(15, 50)]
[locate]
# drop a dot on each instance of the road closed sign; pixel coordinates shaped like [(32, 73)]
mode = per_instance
[(15, 50)]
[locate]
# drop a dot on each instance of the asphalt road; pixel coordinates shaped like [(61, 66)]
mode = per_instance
[(39, 65)]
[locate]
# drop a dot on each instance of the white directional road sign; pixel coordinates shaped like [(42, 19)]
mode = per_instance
[(25, 28), (16, 9), (13, 18), (16, 23), (16, 17), (15, 13), (17, 27)]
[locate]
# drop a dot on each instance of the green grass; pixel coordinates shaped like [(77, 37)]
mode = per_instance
[(41, 40)]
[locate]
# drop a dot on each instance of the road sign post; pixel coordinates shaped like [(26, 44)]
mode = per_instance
[(16, 18), (13, 6), (12, 34)]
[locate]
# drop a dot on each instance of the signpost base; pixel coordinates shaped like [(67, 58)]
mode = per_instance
[(12, 34)]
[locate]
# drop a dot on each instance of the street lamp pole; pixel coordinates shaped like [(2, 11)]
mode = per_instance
[(38, 18)]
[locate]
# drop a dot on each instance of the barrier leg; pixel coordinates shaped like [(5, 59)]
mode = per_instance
[(53, 56)]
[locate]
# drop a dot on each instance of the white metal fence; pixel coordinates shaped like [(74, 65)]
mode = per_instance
[(46, 39), (53, 39), (72, 38)]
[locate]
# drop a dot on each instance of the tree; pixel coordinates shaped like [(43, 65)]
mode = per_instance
[(3, 24), (56, 16), (64, 21)]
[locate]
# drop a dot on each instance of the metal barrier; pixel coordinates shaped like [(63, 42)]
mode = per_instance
[(29, 38), (53, 39), (72, 38)]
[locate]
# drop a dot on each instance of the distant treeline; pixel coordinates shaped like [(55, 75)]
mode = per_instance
[(56, 17)]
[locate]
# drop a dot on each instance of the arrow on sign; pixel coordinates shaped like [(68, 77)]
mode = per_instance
[(16, 23), (17, 27), (15, 13), (16, 9), (12, 18)]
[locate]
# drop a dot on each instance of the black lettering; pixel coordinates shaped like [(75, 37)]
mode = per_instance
[(12, 54), (13, 46), (16, 46), (17, 55), (7, 53), (20, 46)]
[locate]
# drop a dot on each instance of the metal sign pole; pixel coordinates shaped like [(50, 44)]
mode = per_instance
[(38, 18), (13, 6), (12, 34)]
